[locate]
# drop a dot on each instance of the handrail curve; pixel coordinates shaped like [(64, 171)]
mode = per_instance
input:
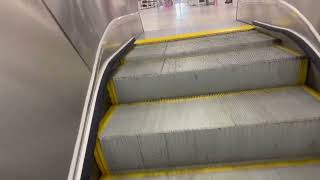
[(250, 11)]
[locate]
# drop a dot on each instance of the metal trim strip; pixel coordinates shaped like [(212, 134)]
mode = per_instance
[(112, 92)]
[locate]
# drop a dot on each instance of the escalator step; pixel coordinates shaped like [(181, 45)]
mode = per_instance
[(198, 46), (249, 125), (239, 69)]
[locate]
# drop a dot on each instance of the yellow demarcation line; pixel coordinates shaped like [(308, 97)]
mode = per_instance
[(98, 153), (112, 92), (303, 66), (210, 96), (217, 169), (122, 61), (107, 175), (303, 72), (104, 122), (288, 50), (101, 161), (312, 92), (195, 35)]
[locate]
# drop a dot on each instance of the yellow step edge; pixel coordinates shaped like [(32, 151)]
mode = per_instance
[(98, 153), (303, 72), (312, 92), (100, 160), (123, 61), (288, 50), (195, 35), (217, 169), (112, 92)]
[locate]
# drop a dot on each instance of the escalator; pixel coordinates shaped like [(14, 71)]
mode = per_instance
[(235, 104)]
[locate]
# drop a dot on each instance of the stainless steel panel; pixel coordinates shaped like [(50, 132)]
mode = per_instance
[(119, 32), (43, 87), (283, 14), (85, 21)]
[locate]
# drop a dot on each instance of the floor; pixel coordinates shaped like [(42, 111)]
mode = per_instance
[(183, 18)]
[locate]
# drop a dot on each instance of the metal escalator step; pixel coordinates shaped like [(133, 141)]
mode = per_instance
[(240, 69), (198, 46), (286, 170), (243, 126)]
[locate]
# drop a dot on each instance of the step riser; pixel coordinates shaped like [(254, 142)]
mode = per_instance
[(224, 79), (282, 140)]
